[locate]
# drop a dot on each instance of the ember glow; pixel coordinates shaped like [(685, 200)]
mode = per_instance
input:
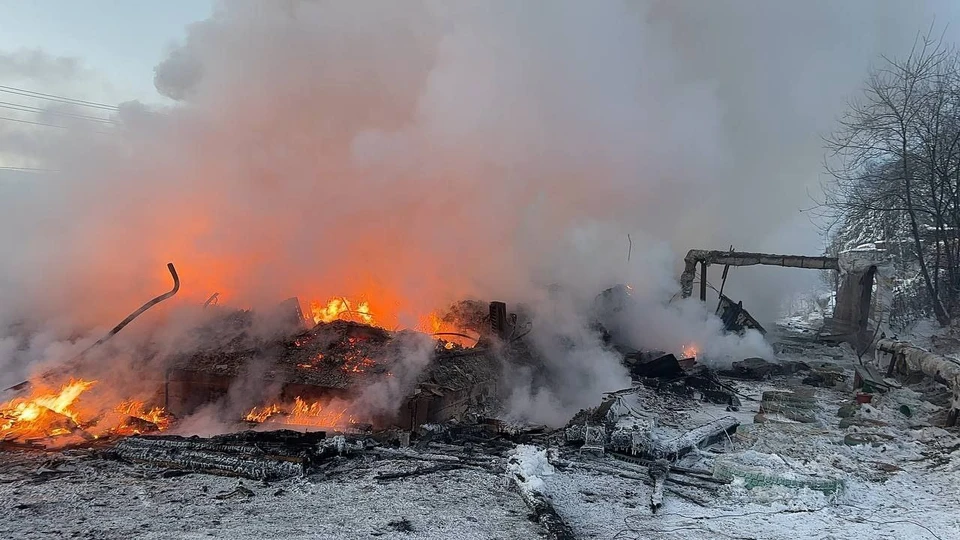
[(353, 365), (341, 308), (301, 413), (45, 415), (689, 351)]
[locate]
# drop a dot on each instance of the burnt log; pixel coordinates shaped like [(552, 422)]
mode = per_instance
[(645, 478), (258, 456), (544, 512), (245, 466)]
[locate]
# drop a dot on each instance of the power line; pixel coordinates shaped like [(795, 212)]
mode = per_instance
[(32, 123), (27, 169), (30, 109), (45, 124), (52, 97)]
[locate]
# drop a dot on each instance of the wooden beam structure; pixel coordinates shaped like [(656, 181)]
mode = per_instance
[(705, 258)]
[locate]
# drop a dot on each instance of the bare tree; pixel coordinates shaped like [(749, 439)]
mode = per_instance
[(890, 148)]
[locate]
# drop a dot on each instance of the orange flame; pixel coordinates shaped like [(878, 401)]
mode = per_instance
[(301, 413), (689, 351), (341, 308), (45, 415), (55, 414), (136, 409), (451, 334)]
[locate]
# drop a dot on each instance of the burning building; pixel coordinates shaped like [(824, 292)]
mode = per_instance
[(336, 370)]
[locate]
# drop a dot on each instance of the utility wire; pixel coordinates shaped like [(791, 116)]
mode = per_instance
[(27, 169), (52, 97), (30, 109), (32, 123), (7, 118)]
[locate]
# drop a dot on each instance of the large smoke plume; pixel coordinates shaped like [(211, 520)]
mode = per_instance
[(420, 152)]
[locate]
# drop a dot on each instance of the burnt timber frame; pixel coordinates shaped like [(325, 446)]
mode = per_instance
[(705, 258)]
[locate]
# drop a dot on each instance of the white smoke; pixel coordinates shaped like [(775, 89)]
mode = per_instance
[(425, 152)]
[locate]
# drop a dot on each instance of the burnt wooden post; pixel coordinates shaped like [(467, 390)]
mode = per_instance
[(703, 281), (498, 319), (723, 284)]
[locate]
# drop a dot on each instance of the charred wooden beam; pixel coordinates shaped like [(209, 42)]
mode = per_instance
[(703, 281), (245, 466)]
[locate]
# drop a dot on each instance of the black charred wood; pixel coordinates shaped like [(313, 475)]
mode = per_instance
[(255, 455), (546, 515), (655, 364)]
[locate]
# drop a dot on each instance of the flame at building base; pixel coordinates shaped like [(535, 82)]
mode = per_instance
[(302, 413), (59, 417)]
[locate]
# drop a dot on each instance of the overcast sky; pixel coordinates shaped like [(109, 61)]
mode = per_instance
[(119, 40)]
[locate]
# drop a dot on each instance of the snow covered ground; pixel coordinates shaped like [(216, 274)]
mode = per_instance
[(904, 487), (901, 478), (904, 482), (80, 497)]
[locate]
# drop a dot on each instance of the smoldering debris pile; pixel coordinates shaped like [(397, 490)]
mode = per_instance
[(683, 430), (339, 360)]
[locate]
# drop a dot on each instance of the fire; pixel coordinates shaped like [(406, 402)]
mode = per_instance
[(357, 366), (45, 415), (56, 414), (689, 351), (341, 308), (451, 334), (262, 414), (301, 413), (136, 410)]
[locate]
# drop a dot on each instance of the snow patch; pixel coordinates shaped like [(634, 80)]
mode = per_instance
[(528, 464)]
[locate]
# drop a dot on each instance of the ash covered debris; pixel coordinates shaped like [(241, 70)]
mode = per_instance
[(674, 439), (625, 429)]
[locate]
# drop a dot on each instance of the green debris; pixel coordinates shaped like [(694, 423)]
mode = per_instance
[(753, 477)]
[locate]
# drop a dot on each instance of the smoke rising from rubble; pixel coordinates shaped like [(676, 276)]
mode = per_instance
[(421, 153)]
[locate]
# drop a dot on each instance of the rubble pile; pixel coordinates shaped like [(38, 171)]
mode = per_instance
[(814, 425)]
